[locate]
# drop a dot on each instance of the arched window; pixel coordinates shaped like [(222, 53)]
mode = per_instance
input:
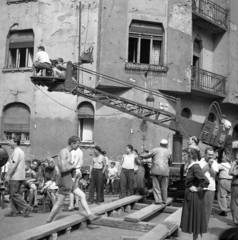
[(186, 113), (16, 121), (86, 121)]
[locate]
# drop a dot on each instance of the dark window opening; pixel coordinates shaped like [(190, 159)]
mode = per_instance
[(145, 51), (132, 51)]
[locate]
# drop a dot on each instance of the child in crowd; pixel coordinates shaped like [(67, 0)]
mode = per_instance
[(30, 179), (84, 182), (112, 173)]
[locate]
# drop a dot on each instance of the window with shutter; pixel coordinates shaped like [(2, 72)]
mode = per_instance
[(16, 121), (146, 42), (20, 49), (86, 121)]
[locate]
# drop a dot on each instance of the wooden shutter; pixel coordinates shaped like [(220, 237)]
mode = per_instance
[(16, 118), (86, 110)]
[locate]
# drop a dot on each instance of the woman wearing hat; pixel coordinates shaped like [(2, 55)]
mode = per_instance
[(96, 174)]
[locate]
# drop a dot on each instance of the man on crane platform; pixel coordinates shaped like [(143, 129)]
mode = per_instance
[(42, 61), (161, 159)]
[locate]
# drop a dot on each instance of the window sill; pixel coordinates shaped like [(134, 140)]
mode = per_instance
[(4, 142), (12, 70), (86, 144), (19, 1)]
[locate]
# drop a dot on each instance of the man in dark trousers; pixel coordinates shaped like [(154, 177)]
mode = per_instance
[(66, 184), (97, 171), (16, 176), (161, 159)]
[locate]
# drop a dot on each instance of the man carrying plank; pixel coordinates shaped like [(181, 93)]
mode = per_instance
[(66, 184)]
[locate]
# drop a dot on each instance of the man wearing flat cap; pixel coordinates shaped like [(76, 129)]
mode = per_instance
[(97, 170), (161, 159)]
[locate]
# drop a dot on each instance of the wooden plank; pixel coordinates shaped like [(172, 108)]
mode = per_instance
[(160, 232), (170, 209), (129, 238), (120, 223), (116, 204), (174, 217), (146, 212), (139, 206), (48, 229)]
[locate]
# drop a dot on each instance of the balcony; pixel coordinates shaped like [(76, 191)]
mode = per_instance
[(209, 16), (207, 84)]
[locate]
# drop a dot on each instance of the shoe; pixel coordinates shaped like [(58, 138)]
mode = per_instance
[(92, 217), (27, 212), (68, 210), (98, 203), (11, 214), (225, 214), (232, 224), (76, 208), (90, 203)]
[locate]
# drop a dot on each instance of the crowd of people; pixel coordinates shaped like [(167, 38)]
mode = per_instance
[(204, 177), (63, 177)]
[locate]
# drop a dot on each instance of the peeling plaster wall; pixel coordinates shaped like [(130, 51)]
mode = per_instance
[(179, 45), (232, 83), (56, 26)]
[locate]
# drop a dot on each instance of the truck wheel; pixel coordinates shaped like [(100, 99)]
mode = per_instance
[(142, 189)]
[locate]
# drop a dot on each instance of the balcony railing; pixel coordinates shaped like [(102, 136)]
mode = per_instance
[(211, 11), (207, 81)]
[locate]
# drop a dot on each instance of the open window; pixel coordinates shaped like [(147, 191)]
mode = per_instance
[(86, 121), (20, 49), (16, 121), (146, 42)]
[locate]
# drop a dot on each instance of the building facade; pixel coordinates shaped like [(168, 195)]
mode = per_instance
[(184, 49)]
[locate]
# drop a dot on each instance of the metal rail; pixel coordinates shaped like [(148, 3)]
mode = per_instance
[(206, 80), (211, 11)]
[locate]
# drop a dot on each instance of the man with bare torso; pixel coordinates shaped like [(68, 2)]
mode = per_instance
[(66, 184)]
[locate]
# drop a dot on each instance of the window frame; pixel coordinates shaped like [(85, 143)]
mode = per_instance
[(151, 38), (29, 50)]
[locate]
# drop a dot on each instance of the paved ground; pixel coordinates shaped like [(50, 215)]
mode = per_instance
[(11, 226)]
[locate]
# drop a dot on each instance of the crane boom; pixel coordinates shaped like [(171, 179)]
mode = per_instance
[(209, 133)]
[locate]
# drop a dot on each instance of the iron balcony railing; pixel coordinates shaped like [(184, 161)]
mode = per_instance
[(208, 81), (211, 11)]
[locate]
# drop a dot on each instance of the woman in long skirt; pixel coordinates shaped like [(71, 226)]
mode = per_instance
[(193, 219)]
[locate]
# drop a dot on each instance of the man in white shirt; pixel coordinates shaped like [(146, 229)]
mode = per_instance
[(16, 176), (210, 168), (42, 61)]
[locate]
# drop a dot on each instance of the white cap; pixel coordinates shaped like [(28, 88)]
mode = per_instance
[(164, 142)]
